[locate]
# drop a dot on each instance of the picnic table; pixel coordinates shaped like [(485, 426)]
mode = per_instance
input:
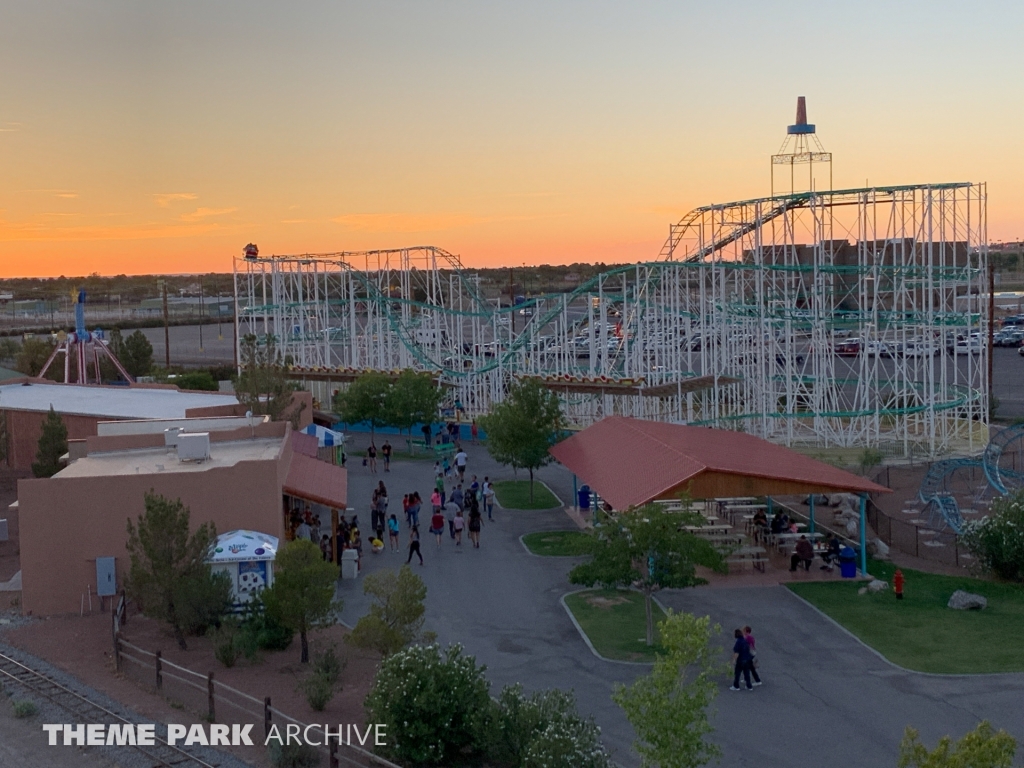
[(754, 555), (782, 540), (706, 528)]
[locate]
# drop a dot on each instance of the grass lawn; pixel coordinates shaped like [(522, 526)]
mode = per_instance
[(614, 621), (553, 543), (515, 494), (920, 632)]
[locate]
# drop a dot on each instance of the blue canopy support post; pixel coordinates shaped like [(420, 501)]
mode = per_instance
[(812, 513), (770, 506), (863, 534), (575, 493)]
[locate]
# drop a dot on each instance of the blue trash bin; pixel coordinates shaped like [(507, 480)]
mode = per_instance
[(847, 563), (584, 497)]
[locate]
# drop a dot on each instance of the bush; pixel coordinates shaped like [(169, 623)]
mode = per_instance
[(261, 631), (226, 645), (327, 664), (396, 615), (435, 705), (319, 685), (997, 542), (24, 709), (195, 380), (544, 730), (294, 755)]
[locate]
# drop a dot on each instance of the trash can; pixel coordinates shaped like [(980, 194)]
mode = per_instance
[(584, 497), (349, 564), (847, 563)]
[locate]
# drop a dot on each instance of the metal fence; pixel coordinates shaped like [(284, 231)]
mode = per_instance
[(918, 540), (211, 699)]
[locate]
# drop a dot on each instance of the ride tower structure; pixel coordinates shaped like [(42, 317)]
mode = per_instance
[(86, 348)]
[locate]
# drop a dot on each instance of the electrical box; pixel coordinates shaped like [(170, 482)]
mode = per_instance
[(171, 436), (106, 577), (194, 446)]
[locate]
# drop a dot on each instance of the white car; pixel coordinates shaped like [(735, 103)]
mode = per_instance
[(972, 347)]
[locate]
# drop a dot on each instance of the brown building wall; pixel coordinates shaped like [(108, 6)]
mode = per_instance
[(66, 523), (25, 427)]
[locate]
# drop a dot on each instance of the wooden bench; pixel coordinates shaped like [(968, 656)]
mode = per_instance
[(755, 556)]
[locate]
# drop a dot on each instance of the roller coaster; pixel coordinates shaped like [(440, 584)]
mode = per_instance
[(941, 506), (736, 324)]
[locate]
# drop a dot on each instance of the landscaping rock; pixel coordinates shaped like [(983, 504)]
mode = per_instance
[(877, 585), (966, 601), (862, 591), (880, 549)]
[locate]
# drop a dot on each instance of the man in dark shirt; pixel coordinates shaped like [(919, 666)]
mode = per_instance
[(385, 451), (743, 662), (804, 553)]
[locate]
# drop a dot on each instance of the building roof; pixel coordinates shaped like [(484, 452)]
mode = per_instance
[(630, 462), (7, 373), (108, 402), (151, 461), (317, 481)]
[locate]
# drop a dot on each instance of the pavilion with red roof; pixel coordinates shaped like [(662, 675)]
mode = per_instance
[(630, 462)]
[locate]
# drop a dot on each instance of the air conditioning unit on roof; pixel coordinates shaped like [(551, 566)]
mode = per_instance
[(193, 446)]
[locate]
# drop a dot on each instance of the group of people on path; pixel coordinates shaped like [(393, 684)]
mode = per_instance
[(370, 461), (744, 657)]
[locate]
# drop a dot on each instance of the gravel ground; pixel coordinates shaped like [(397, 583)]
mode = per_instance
[(51, 713)]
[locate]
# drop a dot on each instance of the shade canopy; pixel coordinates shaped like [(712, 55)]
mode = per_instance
[(325, 438), (630, 462), (243, 546)]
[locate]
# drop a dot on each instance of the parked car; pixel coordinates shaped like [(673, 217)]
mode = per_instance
[(969, 347), (848, 348), (1020, 350)]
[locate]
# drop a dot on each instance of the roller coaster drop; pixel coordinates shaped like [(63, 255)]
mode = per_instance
[(736, 325)]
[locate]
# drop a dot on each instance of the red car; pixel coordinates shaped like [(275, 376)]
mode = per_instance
[(848, 348)]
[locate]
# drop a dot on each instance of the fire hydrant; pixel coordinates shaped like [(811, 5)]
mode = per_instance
[(897, 584)]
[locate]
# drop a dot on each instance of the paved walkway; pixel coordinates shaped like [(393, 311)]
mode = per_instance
[(824, 691)]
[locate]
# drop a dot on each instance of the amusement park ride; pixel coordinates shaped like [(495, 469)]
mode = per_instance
[(735, 324), (85, 348)]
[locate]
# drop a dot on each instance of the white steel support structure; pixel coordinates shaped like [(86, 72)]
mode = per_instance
[(736, 326)]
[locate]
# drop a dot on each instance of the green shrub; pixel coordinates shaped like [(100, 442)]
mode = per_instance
[(435, 705), (196, 380), (997, 541), (327, 663), (318, 690), (260, 631), (226, 643), (523, 722), (294, 755), (25, 708)]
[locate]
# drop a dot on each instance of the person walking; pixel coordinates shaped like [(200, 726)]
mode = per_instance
[(474, 524), (741, 661), (414, 545), (414, 509), (439, 487), (437, 525), (450, 509), (405, 509), (460, 524), (488, 494), (474, 431), (393, 533), (748, 635), (385, 452), (371, 458), (435, 502), (460, 463)]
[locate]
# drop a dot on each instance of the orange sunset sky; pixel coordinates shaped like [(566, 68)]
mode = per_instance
[(162, 137)]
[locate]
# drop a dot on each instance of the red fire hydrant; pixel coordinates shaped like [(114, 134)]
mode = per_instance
[(897, 584)]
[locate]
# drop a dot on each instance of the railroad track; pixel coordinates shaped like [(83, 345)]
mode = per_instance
[(84, 710)]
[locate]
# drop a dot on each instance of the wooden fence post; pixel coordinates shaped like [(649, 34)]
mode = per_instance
[(209, 697), (333, 761), (159, 672), (266, 717)]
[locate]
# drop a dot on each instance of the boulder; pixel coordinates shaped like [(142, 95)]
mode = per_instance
[(862, 591), (877, 585), (852, 528), (966, 601), (879, 549)]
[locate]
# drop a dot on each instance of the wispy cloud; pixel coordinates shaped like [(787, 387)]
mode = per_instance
[(47, 230), (10, 127), (164, 199), (67, 195), (405, 222), (205, 213)]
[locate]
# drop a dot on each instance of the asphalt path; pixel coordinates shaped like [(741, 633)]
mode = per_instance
[(825, 694)]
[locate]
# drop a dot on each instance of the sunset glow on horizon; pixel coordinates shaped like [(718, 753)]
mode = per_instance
[(161, 138)]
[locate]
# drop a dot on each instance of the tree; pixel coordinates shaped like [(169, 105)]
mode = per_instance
[(668, 708), (365, 399), (9, 349), (33, 355), (169, 575), (396, 616), (302, 595), (981, 748), (263, 386), (522, 427), (196, 380), (646, 548), (412, 399), (435, 705), (136, 355), (53, 443)]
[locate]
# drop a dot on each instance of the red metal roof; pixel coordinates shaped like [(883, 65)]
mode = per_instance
[(317, 481), (305, 444), (632, 461)]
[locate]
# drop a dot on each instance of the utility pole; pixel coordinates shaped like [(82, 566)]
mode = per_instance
[(167, 329), (200, 313), (512, 297), (991, 330)]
